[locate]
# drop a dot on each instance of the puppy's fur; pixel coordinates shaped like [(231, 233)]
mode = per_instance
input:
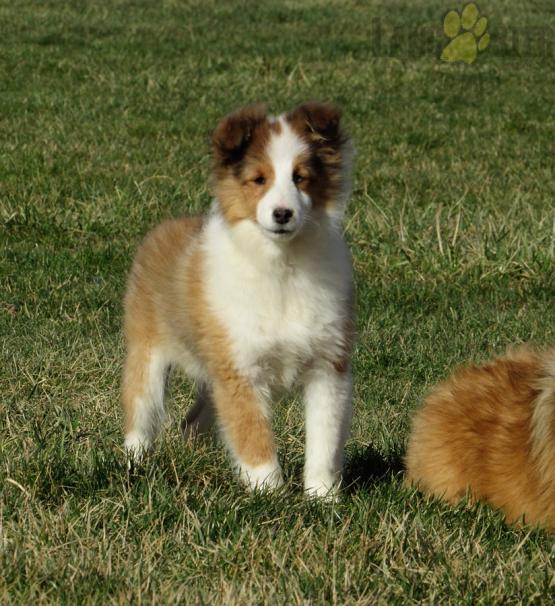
[(253, 297), (490, 430)]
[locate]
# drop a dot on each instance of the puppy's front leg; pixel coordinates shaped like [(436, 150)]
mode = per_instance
[(328, 411), (244, 421)]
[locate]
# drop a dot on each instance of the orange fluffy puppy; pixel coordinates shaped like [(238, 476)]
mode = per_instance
[(490, 431)]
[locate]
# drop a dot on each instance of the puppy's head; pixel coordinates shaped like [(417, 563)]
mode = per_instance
[(280, 172)]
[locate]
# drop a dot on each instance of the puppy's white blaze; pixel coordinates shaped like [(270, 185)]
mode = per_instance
[(149, 412), (283, 149), (262, 477)]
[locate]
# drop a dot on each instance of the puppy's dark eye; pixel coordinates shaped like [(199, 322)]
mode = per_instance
[(260, 180), (297, 178)]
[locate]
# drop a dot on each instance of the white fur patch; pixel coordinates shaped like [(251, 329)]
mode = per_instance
[(136, 444), (328, 422), (262, 477)]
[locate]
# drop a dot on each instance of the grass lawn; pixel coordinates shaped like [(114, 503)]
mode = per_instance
[(106, 110)]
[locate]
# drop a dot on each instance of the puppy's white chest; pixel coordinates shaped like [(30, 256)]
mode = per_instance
[(278, 317), (277, 328), (277, 320)]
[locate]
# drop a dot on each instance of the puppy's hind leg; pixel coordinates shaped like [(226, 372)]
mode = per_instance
[(144, 379), (200, 419)]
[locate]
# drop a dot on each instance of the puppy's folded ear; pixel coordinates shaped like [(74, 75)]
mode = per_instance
[(234, 134), (320, 122)]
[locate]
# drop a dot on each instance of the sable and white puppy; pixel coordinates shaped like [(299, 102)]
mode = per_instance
[(256, 295), (490, 430)]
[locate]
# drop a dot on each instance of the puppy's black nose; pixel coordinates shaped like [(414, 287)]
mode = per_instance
[(282, 215)]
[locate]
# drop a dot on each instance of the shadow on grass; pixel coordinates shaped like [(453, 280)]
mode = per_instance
[(368, 467)]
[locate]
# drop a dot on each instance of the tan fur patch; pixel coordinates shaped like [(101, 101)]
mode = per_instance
[(134, 382), (239, 196), (476, 433), (150, 276), (240, 162)]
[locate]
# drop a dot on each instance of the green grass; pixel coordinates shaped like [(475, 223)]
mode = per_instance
[(105, 114)]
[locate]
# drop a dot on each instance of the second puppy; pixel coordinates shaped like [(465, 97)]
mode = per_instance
[(490, 431)]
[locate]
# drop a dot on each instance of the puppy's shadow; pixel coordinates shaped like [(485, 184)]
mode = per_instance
[(367, 467)]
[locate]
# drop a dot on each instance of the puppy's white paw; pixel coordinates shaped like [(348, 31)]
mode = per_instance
[(262, 477), (321, 485), (136, 445)]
